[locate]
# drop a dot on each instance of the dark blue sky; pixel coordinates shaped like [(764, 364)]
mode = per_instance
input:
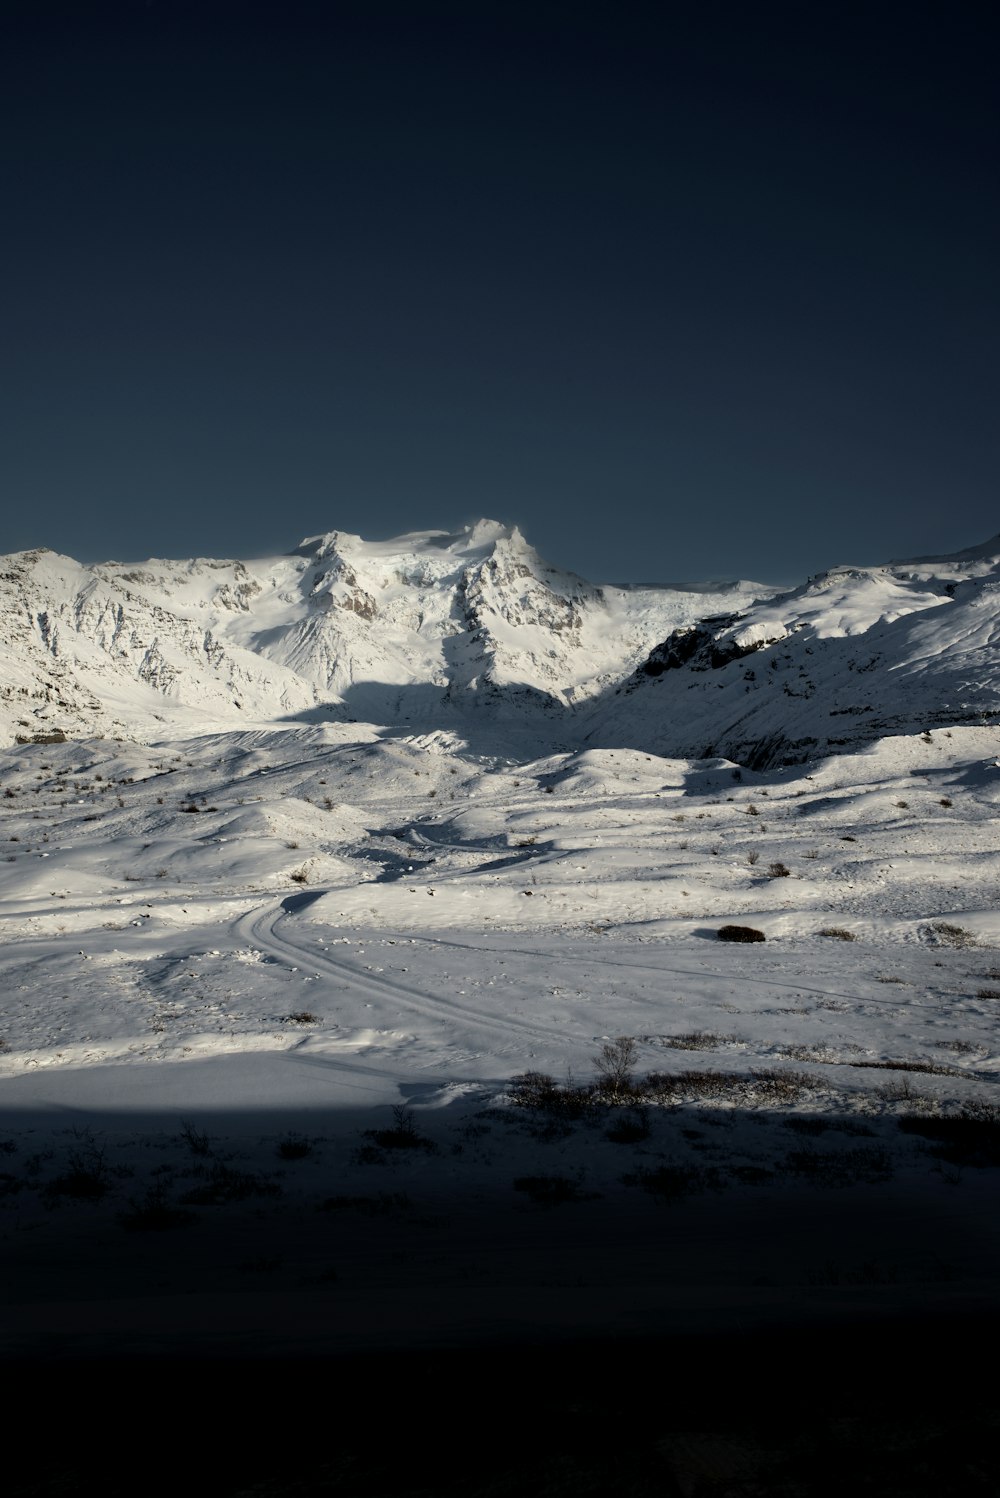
[(684, 290)]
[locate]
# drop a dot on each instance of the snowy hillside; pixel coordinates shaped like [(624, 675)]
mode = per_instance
[(474, 633), (429, 624), (852, 656), (263, 995)]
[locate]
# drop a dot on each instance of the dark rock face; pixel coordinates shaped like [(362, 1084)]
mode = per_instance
[(677, 650), (702, 647)]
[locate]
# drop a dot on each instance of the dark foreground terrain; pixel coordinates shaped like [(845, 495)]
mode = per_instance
[(310, 1312), (896, 1409)]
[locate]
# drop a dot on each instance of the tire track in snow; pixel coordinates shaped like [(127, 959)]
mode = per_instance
[(258, 927)]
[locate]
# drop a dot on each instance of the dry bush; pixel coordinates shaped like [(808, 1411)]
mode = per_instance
[(740, 933), (154, 1213), (949, 935), (964, 1047), (86, 1178), (543, 1094), (803, 1051), (294, 1147), (900, 1092), (929, 1068), (196, 1140), (696, 1040), (751, 1088), (632, 1128), (402, 1136), (222, 1184), (550, 1191), (614, 1064), (671, 1183), (619, 1087), (779, 1086), (970, 1137), (865, 1165)]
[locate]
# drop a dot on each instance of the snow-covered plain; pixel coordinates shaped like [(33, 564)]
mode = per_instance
[(229, 956)]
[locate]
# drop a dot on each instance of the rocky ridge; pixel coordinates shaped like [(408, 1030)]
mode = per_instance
[(429, 624), (474, 633)]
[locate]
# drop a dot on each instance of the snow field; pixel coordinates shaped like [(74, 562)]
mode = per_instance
[(275, 939)]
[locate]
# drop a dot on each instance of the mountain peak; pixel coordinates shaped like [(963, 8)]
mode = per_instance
[(489, 532), (482, 536), (418, 627), (424, 627)]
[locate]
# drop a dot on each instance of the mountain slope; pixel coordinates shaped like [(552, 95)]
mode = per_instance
[(853, 655), (426, 626), (473, 632)]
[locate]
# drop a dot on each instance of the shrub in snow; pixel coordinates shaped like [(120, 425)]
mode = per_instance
[(222, 1184), (154, 1213), (86, 1178), (196, 1140), (550, 1191), (631, 1129), (668, 1183), (971, 1137), (865, 1165), (541, 1092), (614, 1063), (402, 1136), (952, 936), (294, 1147), (740, 933)]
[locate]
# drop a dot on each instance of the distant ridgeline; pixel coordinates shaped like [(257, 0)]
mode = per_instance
[(474, 632)]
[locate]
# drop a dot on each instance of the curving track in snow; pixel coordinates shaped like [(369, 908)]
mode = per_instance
[(272, 929)]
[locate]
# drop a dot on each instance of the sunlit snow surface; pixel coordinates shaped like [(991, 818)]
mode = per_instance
[(263, 935)]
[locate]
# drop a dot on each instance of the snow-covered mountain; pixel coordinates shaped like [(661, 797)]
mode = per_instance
[(419, 630), (266, 950), (473, 630), (851, 656)]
